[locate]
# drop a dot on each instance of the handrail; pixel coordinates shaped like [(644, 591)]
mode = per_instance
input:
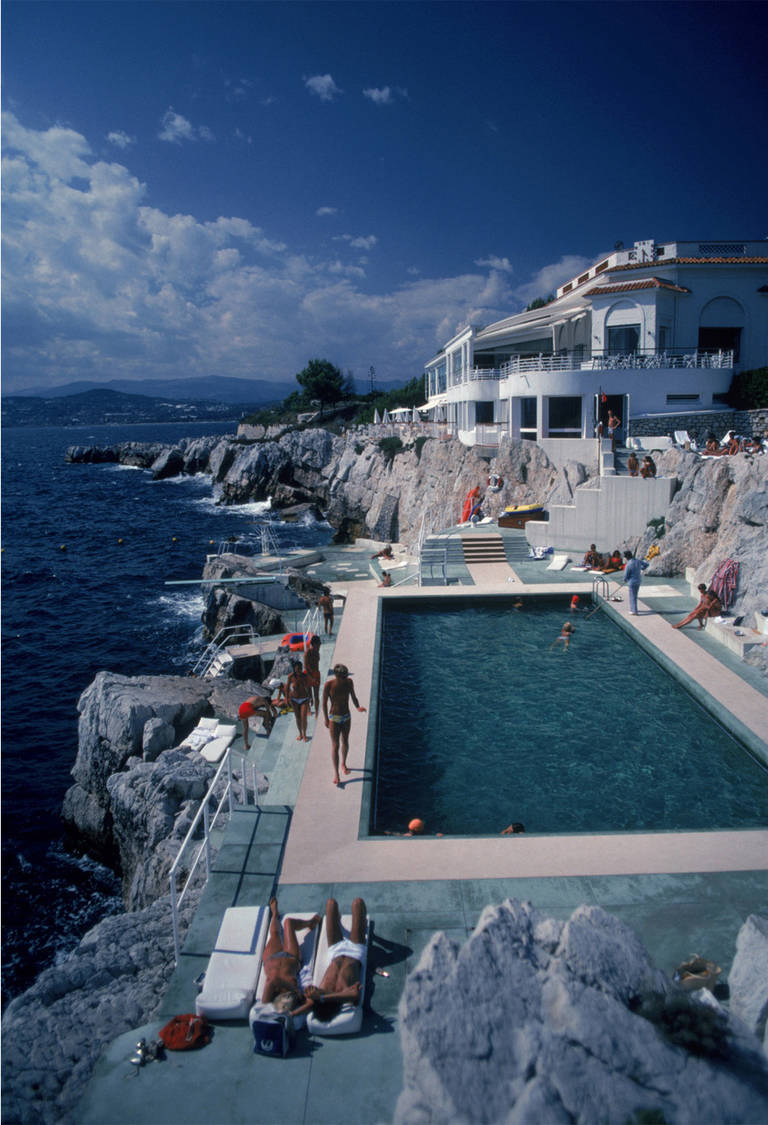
[(205, 846), (408, 578), (228, 633), (310, 622)]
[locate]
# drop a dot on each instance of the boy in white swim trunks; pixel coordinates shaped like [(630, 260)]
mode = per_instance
[(341, 980)]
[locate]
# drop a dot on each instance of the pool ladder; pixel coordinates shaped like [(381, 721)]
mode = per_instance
[(600, 589)]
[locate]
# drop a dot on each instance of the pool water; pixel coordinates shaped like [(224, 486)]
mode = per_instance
[(481, 723)]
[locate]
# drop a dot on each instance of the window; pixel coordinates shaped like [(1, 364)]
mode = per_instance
[(483, 413), (682, 398), (528, 414), (565, 416), (720, 339), (624, 338)]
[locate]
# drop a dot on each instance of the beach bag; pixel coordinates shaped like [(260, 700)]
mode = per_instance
[(185, 1033), (273, 1035)]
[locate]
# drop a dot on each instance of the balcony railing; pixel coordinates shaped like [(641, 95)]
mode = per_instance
[(638, 360)]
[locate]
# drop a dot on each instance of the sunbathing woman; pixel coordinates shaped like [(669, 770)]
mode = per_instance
[(614, 563), (282, 965), (341, 981), (709, 606)]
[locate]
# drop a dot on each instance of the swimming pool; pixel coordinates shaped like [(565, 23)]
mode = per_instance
[(481, 723)]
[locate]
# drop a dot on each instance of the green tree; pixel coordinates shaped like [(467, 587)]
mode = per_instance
[(539, 302), (323, 381)]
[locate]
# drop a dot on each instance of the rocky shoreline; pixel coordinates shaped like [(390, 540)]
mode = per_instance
[(135, 793)]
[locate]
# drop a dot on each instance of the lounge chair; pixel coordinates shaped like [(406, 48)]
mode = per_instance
[(202, 733), (349, 1019), (223, 737), (682, 437), (559, 562), (308, 941), (234, 966)]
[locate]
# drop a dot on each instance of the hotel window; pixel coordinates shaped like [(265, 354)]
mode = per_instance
[(565, 416), (624, 338), (528, 418)]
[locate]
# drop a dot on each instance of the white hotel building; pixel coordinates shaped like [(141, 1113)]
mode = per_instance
[(655, 330)]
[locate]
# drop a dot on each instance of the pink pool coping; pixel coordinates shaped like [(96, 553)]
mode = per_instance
[(323, 844)]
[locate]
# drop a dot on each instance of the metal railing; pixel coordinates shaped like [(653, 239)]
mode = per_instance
[(598, 361), (227, 798), (245, 634), (310, 623), (434, 557)]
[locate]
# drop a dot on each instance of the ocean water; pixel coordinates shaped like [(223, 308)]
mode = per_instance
[(482, 723), (75, 601)]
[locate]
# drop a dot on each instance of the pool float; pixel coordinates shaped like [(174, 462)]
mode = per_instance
[(517, 515), (295, 641), (470, 503)]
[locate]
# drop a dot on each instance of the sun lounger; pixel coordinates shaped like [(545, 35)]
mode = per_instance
[(234, 966), (308, 940), (223, 737), (349, 1019), (202, 733), (559, 562)]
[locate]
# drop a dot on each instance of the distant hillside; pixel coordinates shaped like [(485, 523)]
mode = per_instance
[(98, 407), (216, 388)]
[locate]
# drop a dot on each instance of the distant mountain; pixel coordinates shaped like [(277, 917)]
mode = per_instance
[(216, 388), (103, 406)]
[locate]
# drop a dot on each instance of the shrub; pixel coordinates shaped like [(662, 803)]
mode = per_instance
[(418, 445), (749, 389), (359, 448), (390, 446), (659, 526)]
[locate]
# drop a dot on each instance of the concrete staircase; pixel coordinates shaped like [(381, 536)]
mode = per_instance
[(480, 549), (441, 559)]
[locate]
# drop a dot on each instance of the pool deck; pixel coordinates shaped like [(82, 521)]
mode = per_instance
[(682, 892)]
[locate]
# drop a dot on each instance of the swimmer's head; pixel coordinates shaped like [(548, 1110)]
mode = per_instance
[(516, 827), (341, 671), (416, 826)]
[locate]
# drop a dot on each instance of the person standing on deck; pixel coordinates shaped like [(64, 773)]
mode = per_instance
[(312, 669), (633, 573), (338, 693), (298, 689), (613, 425), (326, 604)]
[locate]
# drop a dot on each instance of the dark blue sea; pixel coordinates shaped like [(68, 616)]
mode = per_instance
[(75, 601)]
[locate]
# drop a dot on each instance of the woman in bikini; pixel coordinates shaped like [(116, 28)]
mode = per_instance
[(709, 606), (284, 988), (298, 688)]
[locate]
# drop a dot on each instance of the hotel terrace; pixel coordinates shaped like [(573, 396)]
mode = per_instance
[(655, 330)]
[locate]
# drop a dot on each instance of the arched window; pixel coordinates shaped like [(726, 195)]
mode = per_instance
[(720, 325), (623, 328)]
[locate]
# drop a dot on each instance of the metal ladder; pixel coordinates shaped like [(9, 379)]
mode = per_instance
[(215, 659)]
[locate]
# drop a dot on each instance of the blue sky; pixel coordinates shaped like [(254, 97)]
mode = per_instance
[(232, 188)]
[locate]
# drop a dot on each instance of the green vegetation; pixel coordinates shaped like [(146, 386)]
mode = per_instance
[(389, 447), (324, 383), (412, 394), (749, 389), (418, 445), (659, 526), (539, 303)]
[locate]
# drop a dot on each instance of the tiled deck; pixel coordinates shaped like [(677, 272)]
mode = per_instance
[(682, 892)]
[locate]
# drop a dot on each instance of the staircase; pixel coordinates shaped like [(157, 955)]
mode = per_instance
[(440, 559), (480, 549)]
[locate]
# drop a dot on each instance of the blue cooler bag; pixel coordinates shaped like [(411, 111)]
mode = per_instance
[(272, 1031)]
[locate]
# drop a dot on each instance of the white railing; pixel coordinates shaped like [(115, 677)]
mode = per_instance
[(242, 633), (310, 623), (642, 361), (227, 799)]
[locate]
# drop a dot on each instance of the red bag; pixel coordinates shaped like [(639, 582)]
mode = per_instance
[(185, 1033)]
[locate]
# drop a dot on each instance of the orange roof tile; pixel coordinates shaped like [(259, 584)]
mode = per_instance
[(627, 286)]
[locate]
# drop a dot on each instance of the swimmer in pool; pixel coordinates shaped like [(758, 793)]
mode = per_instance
[(566, 633), (338, 692)]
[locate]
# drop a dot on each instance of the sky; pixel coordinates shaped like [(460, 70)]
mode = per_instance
[(233, 188)]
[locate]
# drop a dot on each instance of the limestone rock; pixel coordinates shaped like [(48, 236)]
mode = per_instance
[(158, 736), (748, 978), (535, 1021), (169, 464)]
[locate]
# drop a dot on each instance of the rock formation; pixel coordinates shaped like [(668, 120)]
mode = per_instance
[(535, 1020)]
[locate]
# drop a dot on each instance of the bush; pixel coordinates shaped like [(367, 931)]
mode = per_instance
[(389, 447), (749, 389), (418, 445), (659, 527)]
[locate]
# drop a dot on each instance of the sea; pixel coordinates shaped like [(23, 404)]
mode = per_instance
[(86, 553)]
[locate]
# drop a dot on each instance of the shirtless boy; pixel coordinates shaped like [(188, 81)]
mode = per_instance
[(312, 669), (326, 604), (297, 690), (338, 693)]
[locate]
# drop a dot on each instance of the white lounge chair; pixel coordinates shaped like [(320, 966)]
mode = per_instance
[(201, 734), (234, 966), (223, 737), (349, 1019), (308, 941), (559, 562)]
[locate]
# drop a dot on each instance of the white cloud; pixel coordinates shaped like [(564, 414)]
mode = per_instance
[(323, 86), (120, 139), (97, 283), (358, 242), (548, 278), (384, 95), (495, 263), (321, 211), (175, 129)]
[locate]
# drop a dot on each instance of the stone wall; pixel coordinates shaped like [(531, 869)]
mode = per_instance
[(700, 423)]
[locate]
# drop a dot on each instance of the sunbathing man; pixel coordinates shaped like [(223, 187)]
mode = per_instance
[(259, 706), (298, 688), (592, 558), (312, 669), (341, 980), (709, 606), (384, 553), (338, 693), (284, 988)]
